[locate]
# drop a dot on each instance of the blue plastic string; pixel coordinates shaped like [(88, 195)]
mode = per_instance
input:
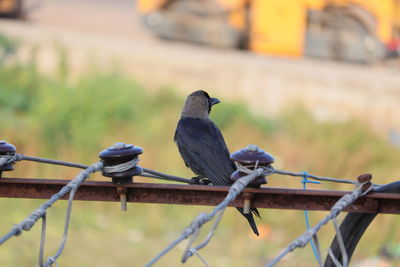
[(305, 181)]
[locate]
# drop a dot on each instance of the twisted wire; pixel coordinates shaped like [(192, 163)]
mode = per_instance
[(30, 221), (235, 189), (121, 167), (315, 177), (3, 161), (341, 245), (159, 175), (162, 176), (52, 161), (193, 229), (302, 240)]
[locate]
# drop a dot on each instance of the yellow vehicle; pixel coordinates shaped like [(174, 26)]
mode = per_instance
[(10, 8), (352, 30)]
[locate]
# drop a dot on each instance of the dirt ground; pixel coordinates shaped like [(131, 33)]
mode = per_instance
[(107, 32)]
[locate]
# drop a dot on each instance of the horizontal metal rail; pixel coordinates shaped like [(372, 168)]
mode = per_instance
[(266, 197)]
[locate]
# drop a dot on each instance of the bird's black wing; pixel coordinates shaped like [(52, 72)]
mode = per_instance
[(203, 149)]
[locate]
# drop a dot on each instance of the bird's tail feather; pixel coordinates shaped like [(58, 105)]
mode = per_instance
[(250, 219), (255, 211)]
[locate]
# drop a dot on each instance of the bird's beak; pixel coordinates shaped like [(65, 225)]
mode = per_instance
[(214, 101)]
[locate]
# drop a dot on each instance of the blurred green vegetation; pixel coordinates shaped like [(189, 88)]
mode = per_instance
[(74, 119)]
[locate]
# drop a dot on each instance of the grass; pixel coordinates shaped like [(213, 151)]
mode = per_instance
[(54, 116)]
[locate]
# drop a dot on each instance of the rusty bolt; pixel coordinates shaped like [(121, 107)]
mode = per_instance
[(248, 197), (116, 155), (122, 191), (365, 178)]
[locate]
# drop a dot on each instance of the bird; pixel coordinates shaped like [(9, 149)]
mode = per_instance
[(202, 145)]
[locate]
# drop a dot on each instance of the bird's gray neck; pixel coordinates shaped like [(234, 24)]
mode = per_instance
[(195, 115)]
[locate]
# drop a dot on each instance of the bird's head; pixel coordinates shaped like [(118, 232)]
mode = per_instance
[(198, 105)]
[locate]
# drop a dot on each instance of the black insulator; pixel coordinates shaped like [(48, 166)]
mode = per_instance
[(251, 157), (118, 154), (7, 149)]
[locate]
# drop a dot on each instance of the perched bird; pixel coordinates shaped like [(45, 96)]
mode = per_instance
[(202, 145)]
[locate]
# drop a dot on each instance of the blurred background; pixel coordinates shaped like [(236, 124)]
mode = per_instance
[(314, 82)]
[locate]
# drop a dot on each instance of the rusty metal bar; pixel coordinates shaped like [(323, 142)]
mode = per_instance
[(266, 197)]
